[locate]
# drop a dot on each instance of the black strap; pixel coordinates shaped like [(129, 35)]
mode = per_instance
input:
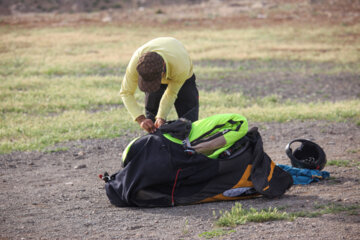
[(179, 129), (197, 141), (236, 149)]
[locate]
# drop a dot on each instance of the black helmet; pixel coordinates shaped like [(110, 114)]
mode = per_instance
[(309, 155)]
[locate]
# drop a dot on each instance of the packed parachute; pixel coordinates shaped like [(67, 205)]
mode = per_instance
[(212, 159)]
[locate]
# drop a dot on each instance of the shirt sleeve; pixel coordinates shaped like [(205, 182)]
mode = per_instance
[(128, 88), (169, 96)]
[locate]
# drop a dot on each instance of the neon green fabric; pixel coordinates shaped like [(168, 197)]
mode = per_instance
[(126, 150), (229, 121)]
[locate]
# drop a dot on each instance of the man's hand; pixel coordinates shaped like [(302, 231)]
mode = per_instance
[(146, 124), (159, 122)]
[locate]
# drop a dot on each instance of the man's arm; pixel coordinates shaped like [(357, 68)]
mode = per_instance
[(127, 91), (128, 88), (127, 94)]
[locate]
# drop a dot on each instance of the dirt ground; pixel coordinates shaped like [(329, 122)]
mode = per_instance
[(58, 195)]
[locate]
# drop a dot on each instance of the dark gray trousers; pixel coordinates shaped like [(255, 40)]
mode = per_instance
[(186, 104)]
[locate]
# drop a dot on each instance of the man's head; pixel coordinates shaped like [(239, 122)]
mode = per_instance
[(150, 68)]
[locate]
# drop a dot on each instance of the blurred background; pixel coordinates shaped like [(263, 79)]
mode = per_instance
[(185, 11)]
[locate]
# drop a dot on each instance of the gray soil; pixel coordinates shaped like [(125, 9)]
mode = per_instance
[(58, 195)]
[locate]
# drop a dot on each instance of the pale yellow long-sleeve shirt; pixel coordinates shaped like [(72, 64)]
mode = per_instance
[(179, 68)]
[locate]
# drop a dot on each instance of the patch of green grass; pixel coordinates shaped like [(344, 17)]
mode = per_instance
[(212, 72), (238, 216), (42, 95), (353, 150), (33, 132), (280, 208), (218, 232), (339, 163), (269, 100), (330, 208), (305, 214), (186, 227), (58, 149), (337, 208)]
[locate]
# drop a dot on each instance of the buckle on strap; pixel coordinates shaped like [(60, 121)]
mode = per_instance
[(187, 147), (186, 143)]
